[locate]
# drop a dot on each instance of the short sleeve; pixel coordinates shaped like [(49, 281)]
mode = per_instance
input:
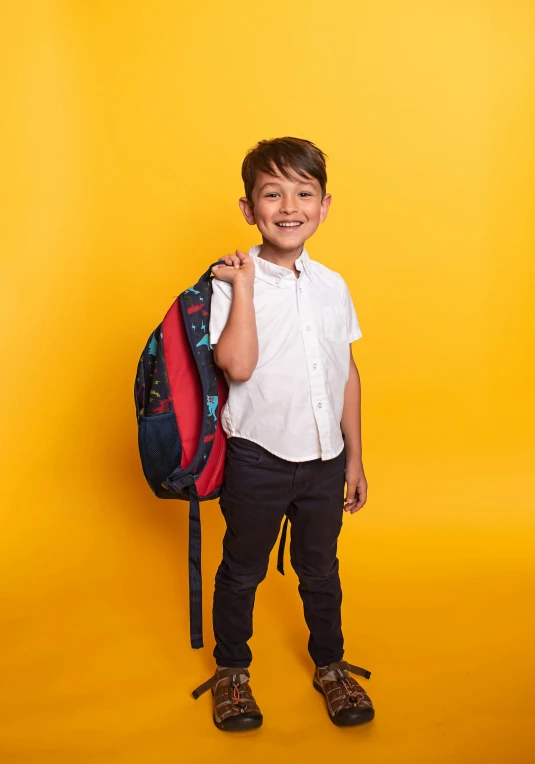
[(219, 309), (352, 322)]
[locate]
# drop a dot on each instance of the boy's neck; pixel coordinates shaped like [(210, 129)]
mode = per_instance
[(284, 258)]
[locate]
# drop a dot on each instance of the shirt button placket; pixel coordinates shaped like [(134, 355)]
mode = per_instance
[(315, 372)]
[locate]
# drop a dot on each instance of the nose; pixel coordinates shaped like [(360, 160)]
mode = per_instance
[(288, 205)]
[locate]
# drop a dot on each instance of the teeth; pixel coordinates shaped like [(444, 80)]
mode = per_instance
[(288, 225)]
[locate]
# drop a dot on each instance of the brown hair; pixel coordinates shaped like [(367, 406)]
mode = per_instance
[(285, 154)]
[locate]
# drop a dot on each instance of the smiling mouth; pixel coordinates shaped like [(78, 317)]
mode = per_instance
[(289, 225)]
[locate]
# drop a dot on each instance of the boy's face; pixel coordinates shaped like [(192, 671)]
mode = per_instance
[(287, 212)]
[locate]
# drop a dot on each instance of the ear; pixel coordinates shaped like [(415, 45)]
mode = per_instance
[(325, 204), (248, 210)]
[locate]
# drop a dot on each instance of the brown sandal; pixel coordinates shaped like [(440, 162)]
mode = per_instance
[(347, 702), (235, 709)]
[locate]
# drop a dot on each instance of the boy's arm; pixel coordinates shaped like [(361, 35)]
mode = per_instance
[(236, 351), (357, 487)]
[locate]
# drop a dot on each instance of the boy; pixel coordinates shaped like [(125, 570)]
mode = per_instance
[(281, 327)]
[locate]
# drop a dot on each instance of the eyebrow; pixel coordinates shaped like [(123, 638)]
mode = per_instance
[(276, 183)]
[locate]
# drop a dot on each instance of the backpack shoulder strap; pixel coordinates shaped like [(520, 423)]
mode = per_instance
[(194, 304), (194, 567), (195, 308)]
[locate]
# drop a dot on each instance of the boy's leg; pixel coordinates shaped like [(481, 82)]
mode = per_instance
[(316, 520), (255, 496)]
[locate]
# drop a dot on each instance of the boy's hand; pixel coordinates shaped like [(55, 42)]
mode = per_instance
[(238, 266), (357, 487)]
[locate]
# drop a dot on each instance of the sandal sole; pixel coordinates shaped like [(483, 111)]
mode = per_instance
[(252, 723)]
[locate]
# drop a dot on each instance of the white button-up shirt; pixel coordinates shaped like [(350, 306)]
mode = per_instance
[(292, 404)]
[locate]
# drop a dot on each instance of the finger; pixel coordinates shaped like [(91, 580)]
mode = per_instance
[(245, 259), (351, 494), (362, 489), (221, 271), (234, 260), (243, 256), (228, 259), (361, 500)]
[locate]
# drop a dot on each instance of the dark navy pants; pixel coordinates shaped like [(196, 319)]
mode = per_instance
[(259, 490)]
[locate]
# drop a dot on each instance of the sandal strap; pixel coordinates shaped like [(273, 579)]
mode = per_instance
[(345, 666), (219, 674)]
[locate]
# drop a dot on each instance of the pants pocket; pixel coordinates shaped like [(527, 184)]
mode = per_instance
[(241, 451)]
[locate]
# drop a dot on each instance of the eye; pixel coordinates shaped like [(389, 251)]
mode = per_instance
[(304, 193), (273, 193)]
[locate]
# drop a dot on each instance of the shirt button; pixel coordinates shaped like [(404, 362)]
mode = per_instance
[(319, 405), (309, 328), (277, 281), (314, 365)]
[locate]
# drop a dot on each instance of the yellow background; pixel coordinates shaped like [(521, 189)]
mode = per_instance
[(124, 127)]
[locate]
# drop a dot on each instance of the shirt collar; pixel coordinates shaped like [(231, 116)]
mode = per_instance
[(273, 274)]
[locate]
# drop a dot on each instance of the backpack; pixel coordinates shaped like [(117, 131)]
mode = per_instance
[(179, 394)]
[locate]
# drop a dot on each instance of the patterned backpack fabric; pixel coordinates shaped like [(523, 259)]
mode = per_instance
[(179, 394)]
